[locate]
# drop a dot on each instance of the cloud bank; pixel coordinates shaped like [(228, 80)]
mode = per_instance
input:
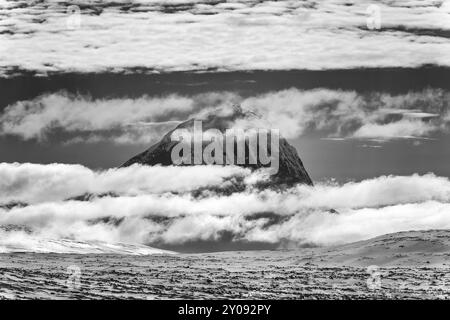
[(219, 35), (149, 215), (34, 183), (335, 113)]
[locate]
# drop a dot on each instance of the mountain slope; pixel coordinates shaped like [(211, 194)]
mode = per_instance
[(291, 169), (408, 248)]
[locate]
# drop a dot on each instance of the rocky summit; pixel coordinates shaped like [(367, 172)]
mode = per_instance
[(290, 171)]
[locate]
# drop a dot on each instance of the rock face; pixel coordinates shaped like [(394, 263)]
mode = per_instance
[(291, 170)]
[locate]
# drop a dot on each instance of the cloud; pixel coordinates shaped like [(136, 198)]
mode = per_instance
[(356, 224), (74, 114), (336, 114), (34, 183), (146, 214), (393, 130), (164, 36), (347, 114)]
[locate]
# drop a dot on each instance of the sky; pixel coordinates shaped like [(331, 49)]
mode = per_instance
[(360, 88), (94, 82)]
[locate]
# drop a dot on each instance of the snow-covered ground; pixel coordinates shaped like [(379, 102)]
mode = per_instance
[(412, 264)]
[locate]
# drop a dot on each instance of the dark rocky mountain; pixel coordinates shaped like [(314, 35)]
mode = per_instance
[(291, 170)]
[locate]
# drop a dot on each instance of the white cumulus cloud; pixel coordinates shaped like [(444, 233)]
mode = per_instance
[(147, 215)]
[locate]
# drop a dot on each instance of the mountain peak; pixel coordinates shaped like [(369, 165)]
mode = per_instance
[(290, 171)]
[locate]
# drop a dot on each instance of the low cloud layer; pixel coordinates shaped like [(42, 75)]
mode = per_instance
[(34, 183), (203, 35), (147, 215), (335, 113)]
